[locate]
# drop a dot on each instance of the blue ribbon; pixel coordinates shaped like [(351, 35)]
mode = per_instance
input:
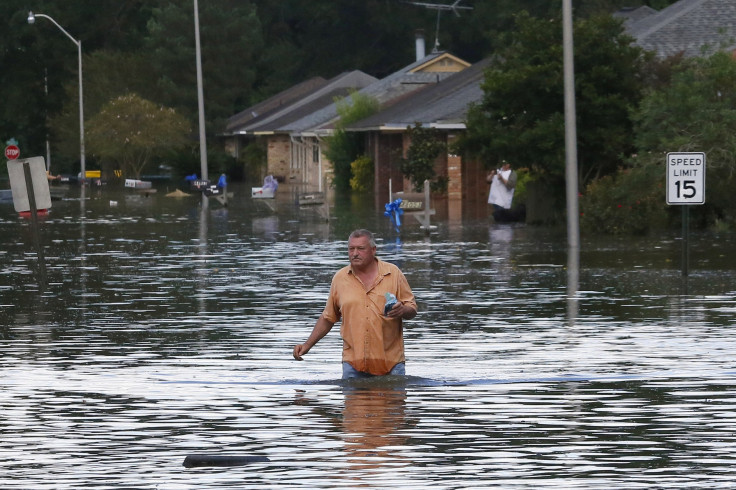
[(394, 212)]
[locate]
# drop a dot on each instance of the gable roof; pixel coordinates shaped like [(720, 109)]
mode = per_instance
[(421, 73), (440, 61), (691, 27), (634, 14), (273, 103), (321, 95), (441, 105)]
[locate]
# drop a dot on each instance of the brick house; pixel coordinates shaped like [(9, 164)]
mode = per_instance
[(265, 123), (293, 123), (442, 106)]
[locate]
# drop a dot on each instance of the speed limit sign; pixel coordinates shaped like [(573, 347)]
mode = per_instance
[(686, 178)]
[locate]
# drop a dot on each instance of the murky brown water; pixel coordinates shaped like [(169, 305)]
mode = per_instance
[(165, 330)]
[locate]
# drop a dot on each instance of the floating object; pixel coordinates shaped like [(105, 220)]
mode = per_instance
[(261, 193), (311, 198), (177, 193), (113, 204), (137, 184), (199, 184), (201, 460), (213, 190), (270, 184)]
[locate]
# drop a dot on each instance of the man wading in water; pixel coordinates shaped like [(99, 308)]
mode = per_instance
[(373, 341)]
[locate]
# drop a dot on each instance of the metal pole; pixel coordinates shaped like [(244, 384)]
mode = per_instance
[(31, 20), (200, 97), (685, 238), (82, 163), (34, 225), (571, 156)]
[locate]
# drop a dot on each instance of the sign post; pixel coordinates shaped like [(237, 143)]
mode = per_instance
[(685, 186), (30, 188)]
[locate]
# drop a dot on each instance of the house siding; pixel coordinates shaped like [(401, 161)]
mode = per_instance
[(279, 156)]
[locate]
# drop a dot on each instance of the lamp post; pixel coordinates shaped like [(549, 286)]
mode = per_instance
[(200, 96), (32, 19)]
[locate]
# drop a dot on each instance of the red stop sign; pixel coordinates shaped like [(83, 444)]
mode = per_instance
[(12, 152)]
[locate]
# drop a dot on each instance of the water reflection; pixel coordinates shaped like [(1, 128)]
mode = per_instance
[(372, 420)]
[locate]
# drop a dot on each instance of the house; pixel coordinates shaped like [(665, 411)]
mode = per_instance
[(278, 111), (308, 132), (691, 27), (443, 106), (293, 123)]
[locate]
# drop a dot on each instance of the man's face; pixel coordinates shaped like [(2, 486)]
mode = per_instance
[(360, 252), (505, 166)]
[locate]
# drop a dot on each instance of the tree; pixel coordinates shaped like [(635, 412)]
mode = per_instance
[(423, 150), (108, 75), (521, 115), (695, 111), (129, 131), (230, 42), (344, 147)]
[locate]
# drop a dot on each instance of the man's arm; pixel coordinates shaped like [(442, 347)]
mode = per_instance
[(510, 183), (320, 330)]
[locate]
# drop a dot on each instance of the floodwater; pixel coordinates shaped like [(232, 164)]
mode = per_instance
[(164, 329)]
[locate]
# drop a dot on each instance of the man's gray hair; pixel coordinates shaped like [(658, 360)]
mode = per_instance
[(365, 233)]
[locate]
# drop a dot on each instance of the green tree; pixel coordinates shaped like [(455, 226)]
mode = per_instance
[(696, 111), (230, 42), (362, 171), (129, 131), (426, 145), (342, 147), (108, 75), (521, 115)]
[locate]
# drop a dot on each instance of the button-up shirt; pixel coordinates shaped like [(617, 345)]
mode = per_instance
[(372, 343)]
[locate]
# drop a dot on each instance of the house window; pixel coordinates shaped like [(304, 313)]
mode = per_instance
[(315, 153)]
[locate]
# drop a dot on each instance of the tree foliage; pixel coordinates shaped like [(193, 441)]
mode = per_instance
[(362, 174), (521, 115), (343, 147), (251, 49), (129, 130), (695, 111), (230, 42), (426, 145)]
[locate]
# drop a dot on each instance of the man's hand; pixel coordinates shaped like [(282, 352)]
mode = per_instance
[(402, 311), (299, 351)]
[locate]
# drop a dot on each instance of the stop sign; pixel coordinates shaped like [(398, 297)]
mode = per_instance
[(12, 152)]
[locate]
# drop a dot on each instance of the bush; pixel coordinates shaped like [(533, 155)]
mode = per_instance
[(362, 174), (254, 160), (426, 145), (632, 201)]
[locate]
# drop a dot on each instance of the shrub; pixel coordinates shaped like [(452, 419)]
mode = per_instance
[(632, 201), (426, 145), (362, 174)]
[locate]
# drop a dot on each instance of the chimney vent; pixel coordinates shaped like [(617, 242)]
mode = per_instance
[(419, 37)]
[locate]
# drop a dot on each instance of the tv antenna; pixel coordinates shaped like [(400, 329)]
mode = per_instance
[(439, 7)]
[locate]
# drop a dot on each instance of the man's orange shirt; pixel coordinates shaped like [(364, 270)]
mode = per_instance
[(372, 343)]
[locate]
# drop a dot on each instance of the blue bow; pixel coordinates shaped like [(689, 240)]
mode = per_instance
[(394, 212)]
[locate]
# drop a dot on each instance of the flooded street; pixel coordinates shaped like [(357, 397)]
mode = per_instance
[(165, 330)]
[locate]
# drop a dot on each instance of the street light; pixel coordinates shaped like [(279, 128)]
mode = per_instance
[(31, 20)]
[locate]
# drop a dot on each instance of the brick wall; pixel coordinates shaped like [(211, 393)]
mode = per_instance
[(279, 156)]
